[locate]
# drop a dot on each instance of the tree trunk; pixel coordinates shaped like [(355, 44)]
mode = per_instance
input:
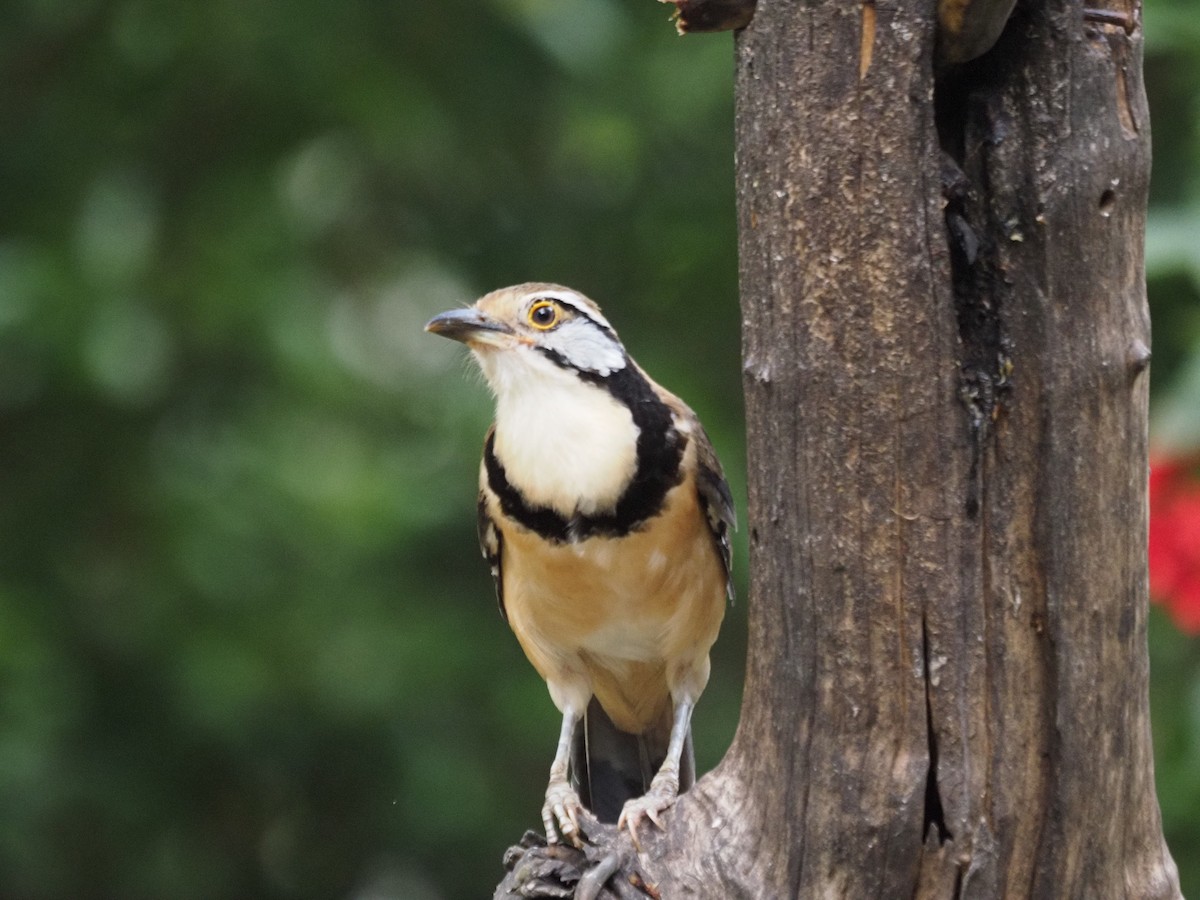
[(945, 344)]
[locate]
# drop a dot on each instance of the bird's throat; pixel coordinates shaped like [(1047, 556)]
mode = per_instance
[(566, 445)]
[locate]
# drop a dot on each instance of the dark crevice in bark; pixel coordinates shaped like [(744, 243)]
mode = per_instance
[(985, 363), (934, 815)]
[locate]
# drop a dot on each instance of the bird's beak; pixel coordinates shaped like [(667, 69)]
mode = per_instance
[(468, 325)]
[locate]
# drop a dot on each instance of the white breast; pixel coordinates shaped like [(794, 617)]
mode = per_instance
[(564, 443)]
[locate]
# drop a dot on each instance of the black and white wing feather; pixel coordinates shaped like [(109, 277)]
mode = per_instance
[(491, 543), (716, 501)]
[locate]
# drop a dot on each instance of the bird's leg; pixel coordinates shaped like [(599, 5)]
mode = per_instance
[(560, 812), (665, 786)]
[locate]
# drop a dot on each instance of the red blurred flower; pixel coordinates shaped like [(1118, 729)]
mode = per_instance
[(1175, 540)]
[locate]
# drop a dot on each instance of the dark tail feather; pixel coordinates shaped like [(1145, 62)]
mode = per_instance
[(611, 766)]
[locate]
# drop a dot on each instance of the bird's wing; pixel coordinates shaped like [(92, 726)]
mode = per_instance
[(490, 541), (716, 501)]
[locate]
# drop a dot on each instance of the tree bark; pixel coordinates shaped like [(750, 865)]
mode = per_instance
[(945, 340)]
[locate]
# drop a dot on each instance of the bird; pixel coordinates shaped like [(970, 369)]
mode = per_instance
[(605, 517)]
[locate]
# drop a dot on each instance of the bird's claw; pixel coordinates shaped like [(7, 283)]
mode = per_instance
[(650, 806), (560, 814)]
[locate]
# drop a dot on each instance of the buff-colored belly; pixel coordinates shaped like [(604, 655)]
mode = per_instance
[(629, 619)]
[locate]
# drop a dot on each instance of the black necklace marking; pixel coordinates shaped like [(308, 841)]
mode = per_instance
[(659, 451)]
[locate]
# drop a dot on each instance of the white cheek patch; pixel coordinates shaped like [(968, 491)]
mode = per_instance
[(585, 347)]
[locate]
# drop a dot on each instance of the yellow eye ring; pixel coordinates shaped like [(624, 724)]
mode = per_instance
[(543, 315)]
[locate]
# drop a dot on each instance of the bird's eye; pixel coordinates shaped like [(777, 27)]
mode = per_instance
[(543, 314)]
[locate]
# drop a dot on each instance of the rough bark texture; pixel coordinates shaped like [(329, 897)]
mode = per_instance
[(945, 345)]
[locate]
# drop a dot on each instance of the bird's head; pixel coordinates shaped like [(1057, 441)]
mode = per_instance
[(535, 328)]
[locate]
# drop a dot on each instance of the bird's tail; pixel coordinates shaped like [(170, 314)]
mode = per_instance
[(611, 766)]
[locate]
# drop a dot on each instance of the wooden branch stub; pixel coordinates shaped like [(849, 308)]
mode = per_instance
[(605, 868), (969, 28), (711, 15)]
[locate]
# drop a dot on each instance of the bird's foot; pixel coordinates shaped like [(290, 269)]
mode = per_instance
[(661, 796), (561, 812)]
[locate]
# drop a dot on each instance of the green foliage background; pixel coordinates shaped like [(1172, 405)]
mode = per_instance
[(246, 646)]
